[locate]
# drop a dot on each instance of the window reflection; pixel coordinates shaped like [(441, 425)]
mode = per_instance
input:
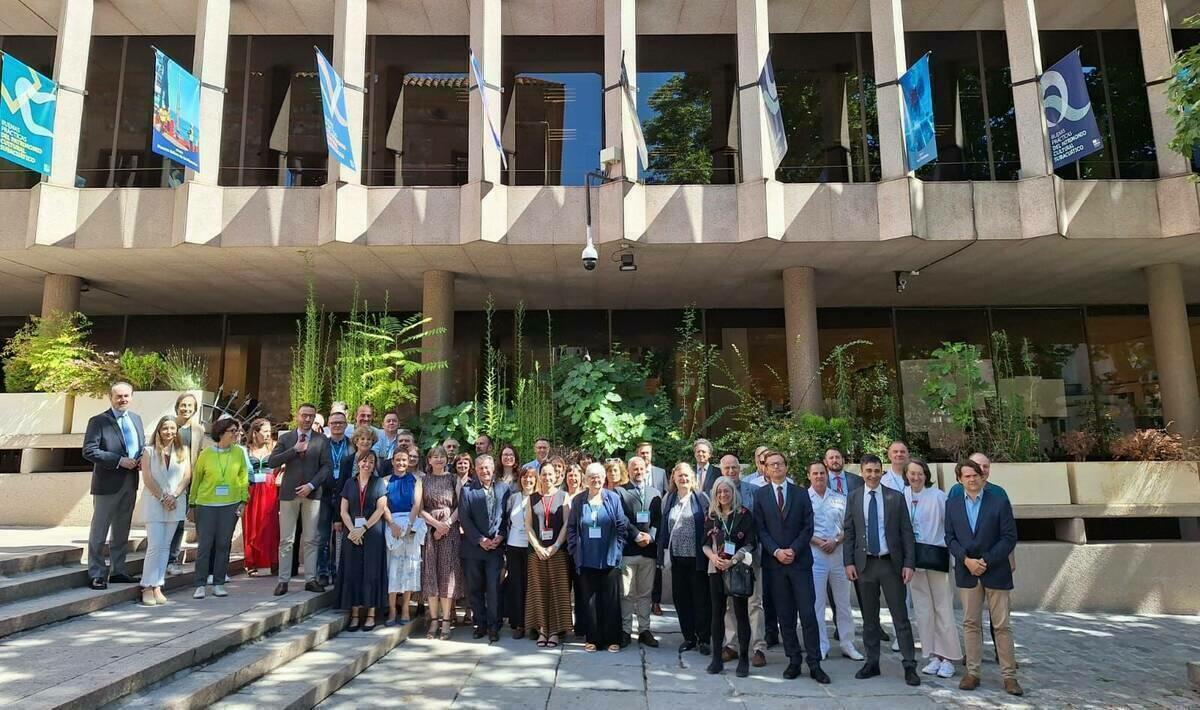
[(1122, 353)]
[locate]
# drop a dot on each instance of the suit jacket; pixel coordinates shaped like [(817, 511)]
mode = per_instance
[(993, 540), (658, 479), (631, 504), (791, 530), (897, 530), (104, 446), (853, 482), (707, 476), (314, 467), (475, 522)]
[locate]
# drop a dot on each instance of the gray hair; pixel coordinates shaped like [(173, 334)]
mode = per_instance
[(629, 463), (736, 504), (595, 467), (705, 443), (484, 457)]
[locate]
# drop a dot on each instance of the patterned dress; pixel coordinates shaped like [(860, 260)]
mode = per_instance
[(441, 569)]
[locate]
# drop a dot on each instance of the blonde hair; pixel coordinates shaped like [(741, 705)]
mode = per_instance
[(177, 451), (686, 468), (619, 467), (735, 505), (361, 432)]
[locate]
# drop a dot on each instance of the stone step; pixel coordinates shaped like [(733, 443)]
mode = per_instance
[(16, 561), (41, 582), (204, 685), (315, 675), (32, 612), (145, 645)]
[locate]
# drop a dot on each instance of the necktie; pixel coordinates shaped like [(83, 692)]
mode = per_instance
[(838, 481), (129, 435), (303, 437), (873, 526), (779, 498)]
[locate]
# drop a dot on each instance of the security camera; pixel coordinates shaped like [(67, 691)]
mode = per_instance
[(590, 256), (901, 281)]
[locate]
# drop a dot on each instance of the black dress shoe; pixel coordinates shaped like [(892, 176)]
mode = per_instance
[(883, 636), (772, 640), (323, 580), (479, 633), (625, 639), (314, 586), (98, 583), (910, 676), (792, 671), (123, 579), (280, 589), (704, 649), (647, 639), (715, 666), (819, 675), (494, 635), (869, 670), (743, 667), (687, 646)]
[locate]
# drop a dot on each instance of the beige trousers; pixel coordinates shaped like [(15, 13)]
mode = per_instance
[(308, 511), (637, 582), (997, 602), (933, 606)]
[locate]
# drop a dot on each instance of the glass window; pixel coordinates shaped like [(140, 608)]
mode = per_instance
[(99, 116), (839, 326), (759, 337), (686, 85), (820, 82), (417, 111), (1001, 114), (38, 53), (135, 164), (202, 335), (258, 360), (1126, 378), (232, 129)]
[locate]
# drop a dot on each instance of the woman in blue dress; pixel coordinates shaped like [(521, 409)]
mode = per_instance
[(403, 541), (362, 571)]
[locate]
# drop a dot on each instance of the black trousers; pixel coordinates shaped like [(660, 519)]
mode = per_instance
[(601, 593), (741, 614), (516, 579), (879, 575), (689, 586), (483, 585), (581, 620), (770, 617), (656, 592), (795, 597)]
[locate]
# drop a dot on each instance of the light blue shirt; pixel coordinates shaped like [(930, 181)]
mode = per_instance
[(385, 447), (128, 433), (883, 546), (829, 512), (973, 505)]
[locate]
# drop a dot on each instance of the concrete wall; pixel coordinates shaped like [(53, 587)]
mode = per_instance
[(46, 499)]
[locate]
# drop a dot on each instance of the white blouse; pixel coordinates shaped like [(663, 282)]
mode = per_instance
[(517, 537), (167, 478), (928, 512)]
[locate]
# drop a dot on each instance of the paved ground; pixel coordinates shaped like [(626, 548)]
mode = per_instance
[(1066, 661)]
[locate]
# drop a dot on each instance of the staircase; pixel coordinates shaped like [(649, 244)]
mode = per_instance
[(64, 645)]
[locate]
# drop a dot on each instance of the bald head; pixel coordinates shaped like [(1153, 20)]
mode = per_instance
[(731, 468)]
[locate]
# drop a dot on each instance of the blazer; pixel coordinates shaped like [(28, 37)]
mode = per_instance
[(631, 505), (104, 446), (506, 506), (314, 467), (707, 476), (199, 439), (658, 479), (853, 482), (993, 540), (791, 530), (476, 523), (699, 510), (622, 532), (897, 529)]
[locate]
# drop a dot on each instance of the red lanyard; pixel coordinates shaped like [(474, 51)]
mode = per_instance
[(362, 499), (546, 512)]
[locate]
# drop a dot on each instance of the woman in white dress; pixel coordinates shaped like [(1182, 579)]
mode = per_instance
[(166, 471), (404, 537)]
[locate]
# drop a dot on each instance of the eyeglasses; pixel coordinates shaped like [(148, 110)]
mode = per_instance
[(776, 464)]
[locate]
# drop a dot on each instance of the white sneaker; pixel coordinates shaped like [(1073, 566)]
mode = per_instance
[(895, 645), (219, 591), (851, 653), (935, 665), (174, 569), (946, 670), (199, 593)]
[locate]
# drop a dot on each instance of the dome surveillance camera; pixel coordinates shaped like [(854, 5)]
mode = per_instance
[(590, 256)]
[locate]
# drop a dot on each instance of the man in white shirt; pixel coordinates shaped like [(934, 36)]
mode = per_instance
[(893, 477), (758, 477), (731, 468), (829, 510), (386, 445)]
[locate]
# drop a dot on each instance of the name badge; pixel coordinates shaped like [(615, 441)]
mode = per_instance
[(730, 549), (643, 516), (258, 478), (360, 522), (221, 491), (547, 535), (594, 533)]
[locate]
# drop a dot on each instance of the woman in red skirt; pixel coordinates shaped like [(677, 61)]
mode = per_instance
[(260, 525)]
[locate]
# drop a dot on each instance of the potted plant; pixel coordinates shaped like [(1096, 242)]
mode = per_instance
[(43, 363), (1153, 467)]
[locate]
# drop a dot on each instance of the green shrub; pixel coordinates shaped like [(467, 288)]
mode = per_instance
[(49, 354)]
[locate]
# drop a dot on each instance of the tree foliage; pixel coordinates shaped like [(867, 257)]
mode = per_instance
[(680, 133), (1183, 96)]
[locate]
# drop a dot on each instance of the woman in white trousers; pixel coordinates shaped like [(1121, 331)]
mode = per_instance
[(165, 475), (929, 590)]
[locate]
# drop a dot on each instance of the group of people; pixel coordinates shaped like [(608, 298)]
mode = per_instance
[(555, 546)]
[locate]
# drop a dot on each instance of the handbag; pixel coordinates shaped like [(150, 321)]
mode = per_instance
[(932, 557), (739, 580)]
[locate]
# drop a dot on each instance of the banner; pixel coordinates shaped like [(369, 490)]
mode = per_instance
[(770, 94), (176, 133), (481, 87), (920, 141), (1072, 129), (26, 116), (643, 150), (333, 105)]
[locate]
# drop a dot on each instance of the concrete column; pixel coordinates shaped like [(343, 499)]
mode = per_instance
[(70, 72), (1158, 53), (754, 42), (800, 329), (887, 39), (620, 38), (1173, 348), (1025, 58), (483, 162), (350, 61), (437, 304), (60, 293), (208, 64)]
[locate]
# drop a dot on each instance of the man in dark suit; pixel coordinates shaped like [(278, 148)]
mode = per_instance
[(981, 534), (783, 513), (659, 482), (307, 464), (113, 444), (706, 473), (879, 551), (481, 513)]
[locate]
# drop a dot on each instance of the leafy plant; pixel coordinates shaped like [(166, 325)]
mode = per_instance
[(1009, 428), (389, 358), (1154, 445), (605, 406), (954, 384), (533, 401), (310, 357), (49, 354), (694, 361), (183, 370), (352, 353), (142, 370), (450, 421), (492, 413), (1183, 96)]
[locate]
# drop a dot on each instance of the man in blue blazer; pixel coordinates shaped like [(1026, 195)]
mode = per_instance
[(113, 443), (481, 514), (784, 515), (981, 534)]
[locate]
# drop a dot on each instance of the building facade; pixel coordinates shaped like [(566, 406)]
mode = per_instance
[(1095, 264)]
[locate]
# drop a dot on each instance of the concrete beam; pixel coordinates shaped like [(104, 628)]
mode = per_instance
[(1158, 54), (887, 41), (1025, 59)]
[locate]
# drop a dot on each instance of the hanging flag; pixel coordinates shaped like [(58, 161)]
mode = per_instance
[(176, 133), (333, 104), (627, 90), (487, 115), (770, 94), (1072, 129), (26, 115), (920, 141)]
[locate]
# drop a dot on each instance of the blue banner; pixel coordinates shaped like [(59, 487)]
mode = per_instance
[(176, 132), (920, 140), (482, 87), (333, 103), (26, 116), (1070, 120), (770, 94)]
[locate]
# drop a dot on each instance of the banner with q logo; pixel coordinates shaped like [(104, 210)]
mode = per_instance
[(1070, 120)]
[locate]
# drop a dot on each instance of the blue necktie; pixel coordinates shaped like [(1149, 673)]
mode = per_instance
[(130, 436), (872, 526)]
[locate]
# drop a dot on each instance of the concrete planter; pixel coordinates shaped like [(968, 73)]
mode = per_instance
[(35, 413), (1134, 482), (1032, 483), (149, 405)]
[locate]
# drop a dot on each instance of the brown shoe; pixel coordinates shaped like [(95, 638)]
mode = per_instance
[(969, 682), (728, 654), (758, 660), (656, 610), (1012, 687)]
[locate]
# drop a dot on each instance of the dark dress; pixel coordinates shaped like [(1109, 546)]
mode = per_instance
[(363, 569)]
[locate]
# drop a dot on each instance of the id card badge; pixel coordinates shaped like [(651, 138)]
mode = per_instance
[(547, 535), (257, 478), (643, 516), (360, 522), (594, 533), (221, 491), (730, 549)]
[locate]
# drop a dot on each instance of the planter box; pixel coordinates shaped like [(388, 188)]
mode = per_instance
[(35, 413), (1031, 483), (46, 499), (1134, 482), (148, 405)]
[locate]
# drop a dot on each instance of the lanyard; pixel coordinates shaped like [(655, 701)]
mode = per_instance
[(224, 457), (338, 449), (546, 503), (362, 499), (728, 525), (587, 507)]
